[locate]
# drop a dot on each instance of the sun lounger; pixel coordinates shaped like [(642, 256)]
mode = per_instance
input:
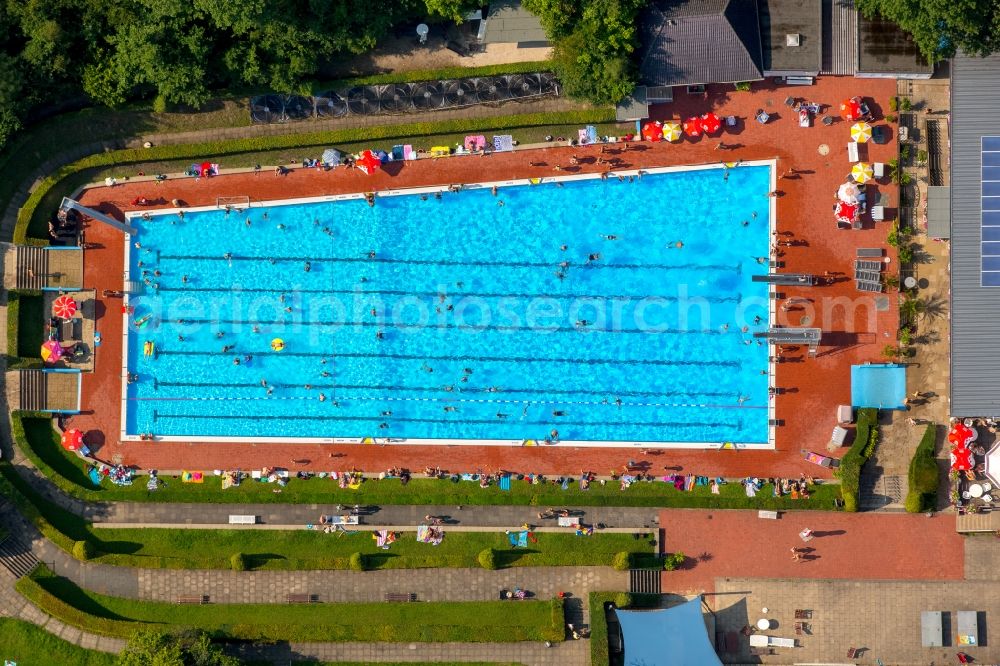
[(762, 116), (874, 287), (867, 265), (867, 276)]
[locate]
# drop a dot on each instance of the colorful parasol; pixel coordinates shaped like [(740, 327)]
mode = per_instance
[(710, 123), (692, 126), (861, 132), (51, 351), (72, 440), (846, 212), (961, 459), (64, 307), (848, 193), (850, 109), (368, 163), (862, 172), (671, 131), (652, 131)]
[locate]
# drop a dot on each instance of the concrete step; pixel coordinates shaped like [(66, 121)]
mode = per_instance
[(16, 557), (644, 581)]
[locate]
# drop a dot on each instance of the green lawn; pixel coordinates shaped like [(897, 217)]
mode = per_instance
[(497, 621), (39, 222), (203, 549), (39, 442), (30, 326), (29, 645)]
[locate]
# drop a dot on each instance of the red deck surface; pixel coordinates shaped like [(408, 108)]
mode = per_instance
[(853, 331), (866, 546)]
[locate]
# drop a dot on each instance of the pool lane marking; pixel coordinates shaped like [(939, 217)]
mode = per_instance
[(491, 359), (457, 389), (443, 262), (449, 326), (451, 296)]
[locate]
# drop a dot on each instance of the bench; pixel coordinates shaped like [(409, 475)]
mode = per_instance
[(235, 519), (569, 521), (302, 598), (870, 252), (799, 80), (193, 599), (401, 596), (770, 515)]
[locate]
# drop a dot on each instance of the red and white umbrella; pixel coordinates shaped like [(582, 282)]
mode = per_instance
[(652, 131), (961, 459), (960, 434), (368, 162), (64, 307), (846, 212), (850, 109), (72, 440), (710, 123), (692, 126)]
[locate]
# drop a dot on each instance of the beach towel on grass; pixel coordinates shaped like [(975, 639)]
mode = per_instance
[(518, 539), (503, 142), (192, 477), (505, 482), (95, 476), (591, 134)]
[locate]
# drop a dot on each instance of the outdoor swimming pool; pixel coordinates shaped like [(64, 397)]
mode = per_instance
[(563, 311)]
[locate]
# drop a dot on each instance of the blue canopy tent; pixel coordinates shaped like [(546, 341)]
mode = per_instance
[(669, 637)]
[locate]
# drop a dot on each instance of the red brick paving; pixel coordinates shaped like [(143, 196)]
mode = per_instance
[(862, 546), (814, 386)]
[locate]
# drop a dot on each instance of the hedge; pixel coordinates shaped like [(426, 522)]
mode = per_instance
[(865, 439), (924, 480), (310, 139), (14, 359)]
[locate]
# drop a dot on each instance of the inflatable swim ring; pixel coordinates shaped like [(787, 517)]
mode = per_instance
[(277, 344)]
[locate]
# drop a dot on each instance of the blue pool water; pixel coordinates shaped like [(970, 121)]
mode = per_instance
[(463, 325)]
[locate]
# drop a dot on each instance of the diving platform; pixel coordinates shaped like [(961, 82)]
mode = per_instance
[(786, 279), (793, 336), (70, 204)]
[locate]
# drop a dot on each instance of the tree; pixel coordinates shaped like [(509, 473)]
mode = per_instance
[(151, 647), (939, 27), (594, 43), (451, 9)]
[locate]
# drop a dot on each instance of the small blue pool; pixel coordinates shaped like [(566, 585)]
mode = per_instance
[(589, 310)]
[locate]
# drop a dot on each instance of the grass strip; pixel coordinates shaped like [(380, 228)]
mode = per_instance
[(35, 216), (475, 622), (28, 645), (301, 549), (34, 435)]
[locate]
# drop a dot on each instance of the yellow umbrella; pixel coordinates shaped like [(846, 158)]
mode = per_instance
[(861, 132), (862, 172), (671, 131)]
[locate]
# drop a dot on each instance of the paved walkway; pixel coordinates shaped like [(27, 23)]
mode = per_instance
[(884, 619)]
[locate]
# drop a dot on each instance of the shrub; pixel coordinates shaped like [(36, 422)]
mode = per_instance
[(238, 562), (622, 561), (160, 104), (849, 471), (622, 599), (905, 104), (923, 475), (674, 561), (488, 559), (893, 103), (906, 254), (742, 86), (890, 118), (357, 562), (312, 139), (84, 550)]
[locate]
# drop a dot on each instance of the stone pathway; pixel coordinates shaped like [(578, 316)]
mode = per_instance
[(884, 619)]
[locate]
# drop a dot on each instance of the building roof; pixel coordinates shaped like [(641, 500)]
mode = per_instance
[(975, 310), (633, 107), (678, 633), (840, 38), (688, 42), (508, 23), (801, 18), (885, 48), (939, 211)]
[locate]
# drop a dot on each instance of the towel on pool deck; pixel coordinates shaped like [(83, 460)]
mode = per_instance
[(505, 482), (503, 142)]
